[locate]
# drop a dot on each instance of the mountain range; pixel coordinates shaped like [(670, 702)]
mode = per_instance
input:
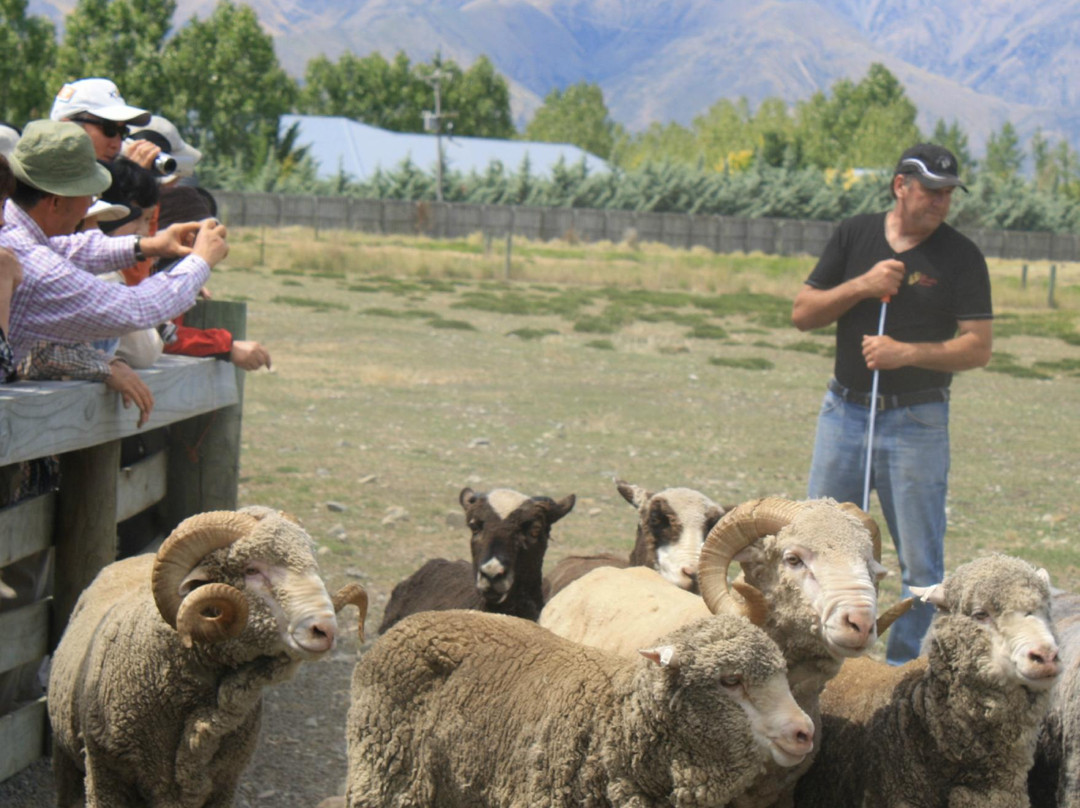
[(978, 63)]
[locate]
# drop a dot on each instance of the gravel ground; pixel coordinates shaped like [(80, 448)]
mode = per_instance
[(301, 755)]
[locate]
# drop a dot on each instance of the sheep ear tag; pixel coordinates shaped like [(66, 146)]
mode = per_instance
[(663, 655)]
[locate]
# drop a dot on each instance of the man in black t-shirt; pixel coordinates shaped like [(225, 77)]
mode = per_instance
[(937, 321)]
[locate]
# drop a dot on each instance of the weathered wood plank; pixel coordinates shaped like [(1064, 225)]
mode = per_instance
[(26, 528), (85, 535), (26, 635), (45, 418), (141, 485), (22, 738)]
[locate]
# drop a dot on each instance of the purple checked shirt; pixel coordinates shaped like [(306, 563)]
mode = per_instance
[(59, 300)]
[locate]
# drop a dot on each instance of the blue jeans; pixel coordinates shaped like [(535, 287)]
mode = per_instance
[(909, 470)]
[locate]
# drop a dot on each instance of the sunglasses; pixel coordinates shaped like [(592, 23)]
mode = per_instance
[(108, 128)]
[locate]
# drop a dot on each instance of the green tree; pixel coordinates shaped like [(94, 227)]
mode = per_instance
[(479, 98), (227, 89), (394, 95), (28, 46), (368, 89), (859, 125), (121, 40), (1003, 153), (575, 115)]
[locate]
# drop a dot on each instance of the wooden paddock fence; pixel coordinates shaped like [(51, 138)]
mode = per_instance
[(67, 535), (721, 234)]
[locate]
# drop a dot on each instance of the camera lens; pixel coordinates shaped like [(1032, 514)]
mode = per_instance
[(165, 163)]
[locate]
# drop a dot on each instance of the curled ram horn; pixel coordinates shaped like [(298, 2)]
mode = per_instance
[(356, 595), (187, 545), (211, 613), (893, 613), (736, 530)]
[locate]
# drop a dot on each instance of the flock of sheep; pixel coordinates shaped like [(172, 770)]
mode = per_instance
[(647, 680)]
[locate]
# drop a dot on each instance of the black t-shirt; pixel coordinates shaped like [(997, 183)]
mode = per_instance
[(945, 281)]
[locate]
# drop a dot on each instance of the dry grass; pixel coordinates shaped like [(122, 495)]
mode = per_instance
[(373, 405)]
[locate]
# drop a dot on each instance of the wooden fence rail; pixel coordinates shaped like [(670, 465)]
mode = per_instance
[(53, 544)]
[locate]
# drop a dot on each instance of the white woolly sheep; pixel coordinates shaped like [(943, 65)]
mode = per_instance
[(955, 728), (672, 526), (468, 709), (155, 691), (810, 575), (1054, 781), (510, 533)]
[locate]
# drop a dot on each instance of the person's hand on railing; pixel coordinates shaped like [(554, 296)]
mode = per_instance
[(249, 355), (127, 383)]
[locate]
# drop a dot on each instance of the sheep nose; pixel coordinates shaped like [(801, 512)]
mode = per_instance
[(316, 634), (1044, 660), (797, 737)]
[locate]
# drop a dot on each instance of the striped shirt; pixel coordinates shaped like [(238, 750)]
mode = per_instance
[(58, 301)]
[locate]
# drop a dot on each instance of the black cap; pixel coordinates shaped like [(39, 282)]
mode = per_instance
[(934, 166)]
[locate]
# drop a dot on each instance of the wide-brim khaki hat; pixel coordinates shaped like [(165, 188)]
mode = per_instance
[(58, 157)]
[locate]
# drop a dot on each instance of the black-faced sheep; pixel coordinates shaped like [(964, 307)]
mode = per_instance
[(510, 533), (810, 572), (955, 728), (672, 526), (155, 691), (469, 709), (1054, 781)]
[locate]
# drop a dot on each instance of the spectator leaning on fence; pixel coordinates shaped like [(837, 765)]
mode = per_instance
[(59, 300), (10, 275), (937, 322), (97, 106)]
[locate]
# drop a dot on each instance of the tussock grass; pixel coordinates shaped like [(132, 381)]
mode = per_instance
[(532, 333), (601, 344), (310, 302), (743, 363), (707, 331)]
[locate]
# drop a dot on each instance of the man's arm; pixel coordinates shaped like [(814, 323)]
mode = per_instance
[(970, 348), (817, 308)]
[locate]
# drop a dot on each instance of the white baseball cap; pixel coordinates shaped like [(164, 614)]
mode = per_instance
[(107, 211), (98, 97), (186, 155)]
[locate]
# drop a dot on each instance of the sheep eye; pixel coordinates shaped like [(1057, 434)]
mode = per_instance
[(730, 681), (980, 615), (793, 560), (251, 572)]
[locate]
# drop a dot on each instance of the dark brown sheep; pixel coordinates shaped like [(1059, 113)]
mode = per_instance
[(510, 534)]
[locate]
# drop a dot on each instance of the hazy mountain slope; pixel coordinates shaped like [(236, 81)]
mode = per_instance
[(660, 60)]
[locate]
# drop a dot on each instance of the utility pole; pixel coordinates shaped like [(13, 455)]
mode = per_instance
[(433, 123)]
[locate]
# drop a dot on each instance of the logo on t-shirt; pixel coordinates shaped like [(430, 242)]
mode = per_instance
[(917, 278)]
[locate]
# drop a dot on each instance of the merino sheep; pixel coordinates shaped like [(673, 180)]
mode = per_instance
[(467, 709), (955, 728), (510, 533), (672, 526), (1054, 780), (155, 691), (810, 576)]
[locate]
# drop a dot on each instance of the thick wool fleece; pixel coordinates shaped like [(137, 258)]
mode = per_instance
[(942, 731), (469, 709)]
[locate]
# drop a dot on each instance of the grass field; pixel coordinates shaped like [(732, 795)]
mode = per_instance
[(406, 369)]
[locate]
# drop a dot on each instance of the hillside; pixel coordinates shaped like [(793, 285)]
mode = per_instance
[(661, 60)]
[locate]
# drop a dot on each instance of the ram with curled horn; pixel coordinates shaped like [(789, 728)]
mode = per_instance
[(810, 572), (155, 691)]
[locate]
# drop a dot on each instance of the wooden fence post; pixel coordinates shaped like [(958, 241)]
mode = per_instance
[(85, 528), (204, 451), (1023, 277), (1050, 292)]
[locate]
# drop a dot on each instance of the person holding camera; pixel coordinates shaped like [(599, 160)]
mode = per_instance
[(59, 300), (97, 106)]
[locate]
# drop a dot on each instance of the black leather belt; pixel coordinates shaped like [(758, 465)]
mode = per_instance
[(890, 401)]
